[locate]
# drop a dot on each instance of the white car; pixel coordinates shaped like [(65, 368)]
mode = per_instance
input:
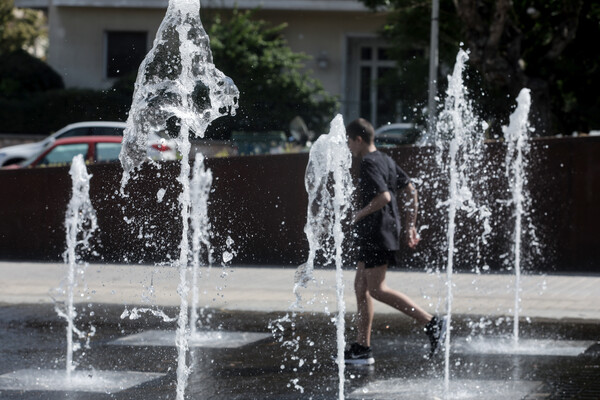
[(396, 134), (160, 148)]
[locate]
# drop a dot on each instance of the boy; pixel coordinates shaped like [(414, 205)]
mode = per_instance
[(378, 229)]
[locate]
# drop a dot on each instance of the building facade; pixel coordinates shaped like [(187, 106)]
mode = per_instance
[(93, 42)]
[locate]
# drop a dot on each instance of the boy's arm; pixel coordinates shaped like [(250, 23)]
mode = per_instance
[(376, 204), (410, 202)]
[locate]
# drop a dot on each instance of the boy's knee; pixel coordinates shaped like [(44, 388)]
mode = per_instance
[(375, 292)]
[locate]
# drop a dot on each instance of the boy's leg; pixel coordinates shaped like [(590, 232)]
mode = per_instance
[(379, 290), (364, 305)]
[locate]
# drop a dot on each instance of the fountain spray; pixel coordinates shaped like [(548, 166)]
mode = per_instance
[(329, 186), (80, 224), (462, 132), (516, 137), (180, 91), (200, 190)]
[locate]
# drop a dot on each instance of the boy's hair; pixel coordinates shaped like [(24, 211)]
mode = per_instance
[(361, 127)]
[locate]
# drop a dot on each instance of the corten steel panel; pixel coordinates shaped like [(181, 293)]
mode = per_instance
[(260, 202), (257, 201), (32, 210)]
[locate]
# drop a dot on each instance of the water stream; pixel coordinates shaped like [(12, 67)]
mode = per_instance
[(461, 131), (178, 90), (329, 186), (516, 135), (80, 224), (201, 248)]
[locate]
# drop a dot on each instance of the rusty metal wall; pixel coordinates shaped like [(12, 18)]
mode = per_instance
[(260, 202)]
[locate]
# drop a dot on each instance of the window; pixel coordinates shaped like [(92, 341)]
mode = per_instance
[(367, 93), (377, 103), (64, 154), (75, 132), (124, 52), (105, 131), (107, 151)]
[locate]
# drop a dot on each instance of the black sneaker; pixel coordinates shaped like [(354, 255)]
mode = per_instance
[(358, 355), (436, 330)]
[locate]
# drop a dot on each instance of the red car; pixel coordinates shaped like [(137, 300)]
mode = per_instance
[(94, 149)]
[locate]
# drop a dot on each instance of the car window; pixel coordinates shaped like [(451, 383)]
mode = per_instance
[(107, 151), (74, 132), (105, 131), (64, 154)]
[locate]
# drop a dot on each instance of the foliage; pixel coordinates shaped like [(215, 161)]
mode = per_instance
[(273, 87), (21, 73), (559, 47), (19, 28), (541, 44)]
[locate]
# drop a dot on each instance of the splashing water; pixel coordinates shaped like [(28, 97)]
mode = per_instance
[(458, 124), (136, 312), (178, 88), (329, 186), (516, 136), (80, 224), (200, 190)]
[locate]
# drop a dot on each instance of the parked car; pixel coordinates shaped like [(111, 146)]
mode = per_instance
[(61, 152), (161, 148), (396, 134)]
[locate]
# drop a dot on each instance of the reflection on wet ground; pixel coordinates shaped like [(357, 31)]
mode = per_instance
[(297, 361)]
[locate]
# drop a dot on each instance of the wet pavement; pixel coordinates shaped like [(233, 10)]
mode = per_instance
[(293, 359), (32, 337)]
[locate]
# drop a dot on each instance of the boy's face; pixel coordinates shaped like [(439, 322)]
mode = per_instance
[(355, 145)]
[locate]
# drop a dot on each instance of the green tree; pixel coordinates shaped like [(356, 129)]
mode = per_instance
[(19, 28), (545, 45), (20, 72), (273, 86)]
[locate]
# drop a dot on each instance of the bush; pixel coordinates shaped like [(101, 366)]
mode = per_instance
[(22, 74), (274, 87)]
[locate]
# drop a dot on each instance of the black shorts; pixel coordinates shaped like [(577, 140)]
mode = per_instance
[(376, 256)]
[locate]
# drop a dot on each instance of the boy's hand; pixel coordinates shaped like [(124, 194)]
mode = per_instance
[(413, 238)]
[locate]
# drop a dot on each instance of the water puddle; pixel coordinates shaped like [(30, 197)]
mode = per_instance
[(429, 389), (212, 339), (529, 347), (79, 381)]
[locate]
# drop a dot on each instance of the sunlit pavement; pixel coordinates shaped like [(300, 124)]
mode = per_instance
[(296, 361), (267, 289)]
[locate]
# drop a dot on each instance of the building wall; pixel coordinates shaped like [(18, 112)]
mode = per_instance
[(320, 33), (77, 38)]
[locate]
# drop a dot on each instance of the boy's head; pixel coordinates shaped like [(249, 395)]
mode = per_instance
[(361, 128), (360, 135)]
